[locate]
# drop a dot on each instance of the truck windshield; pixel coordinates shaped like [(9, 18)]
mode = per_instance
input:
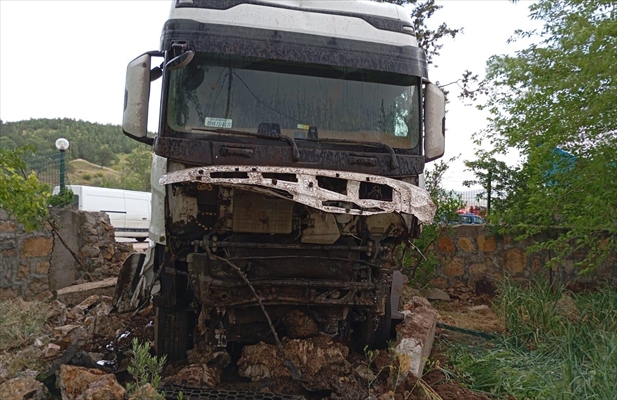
[(242, 93)]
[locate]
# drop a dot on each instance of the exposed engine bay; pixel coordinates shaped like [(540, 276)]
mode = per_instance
[(246, 246), (320, 240)]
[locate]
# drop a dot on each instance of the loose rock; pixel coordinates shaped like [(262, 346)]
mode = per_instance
[(414, 337), (316, 358), (52, 350), (198, 375), (75, 380), (22, 387), (68, 335), (299, 325), (104, 388)]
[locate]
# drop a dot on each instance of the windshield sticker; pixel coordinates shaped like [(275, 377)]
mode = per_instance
[(304, 127), (218, 122)]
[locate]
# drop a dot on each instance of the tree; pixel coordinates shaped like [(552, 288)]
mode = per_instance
[(135, 175), (500, 182), (418, 266), (428, 39), (559, 94), (21, 193)]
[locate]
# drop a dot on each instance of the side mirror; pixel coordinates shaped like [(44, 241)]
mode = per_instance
[(136, 97), (434, 122)]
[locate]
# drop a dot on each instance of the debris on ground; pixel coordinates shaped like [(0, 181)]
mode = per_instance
[(314, 357), (435, 294), (82, 352), (24, 386), (79, 383), (414, 337)]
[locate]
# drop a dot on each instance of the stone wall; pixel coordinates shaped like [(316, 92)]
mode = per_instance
[(472, 258), (35, 262)]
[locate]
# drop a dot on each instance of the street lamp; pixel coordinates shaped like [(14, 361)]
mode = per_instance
[(62, 144)]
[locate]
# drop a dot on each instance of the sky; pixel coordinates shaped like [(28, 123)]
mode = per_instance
[(67, 59)]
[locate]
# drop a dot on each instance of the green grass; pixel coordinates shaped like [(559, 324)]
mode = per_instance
[(558, 345)]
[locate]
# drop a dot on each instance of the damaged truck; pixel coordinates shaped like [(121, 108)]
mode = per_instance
[(287, 168)]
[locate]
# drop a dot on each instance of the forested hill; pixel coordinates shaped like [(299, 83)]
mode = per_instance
[(97, 143)]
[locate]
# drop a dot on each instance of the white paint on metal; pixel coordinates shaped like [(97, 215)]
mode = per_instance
[(406, 198), (306, 20)]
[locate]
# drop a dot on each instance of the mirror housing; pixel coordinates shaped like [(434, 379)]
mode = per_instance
[(136, 98), (434, 122)]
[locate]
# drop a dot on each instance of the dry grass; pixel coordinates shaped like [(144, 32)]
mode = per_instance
[(82, 172), (21, 322)]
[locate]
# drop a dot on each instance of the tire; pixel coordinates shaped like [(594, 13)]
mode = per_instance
[(171, 334)]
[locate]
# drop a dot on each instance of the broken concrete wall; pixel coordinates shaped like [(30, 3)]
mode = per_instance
[(35, 262), (473, 258)]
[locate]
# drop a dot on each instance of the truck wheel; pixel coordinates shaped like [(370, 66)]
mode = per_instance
[(171, 334)]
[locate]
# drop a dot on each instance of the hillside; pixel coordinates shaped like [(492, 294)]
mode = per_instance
[(82, 172), (97, 143)]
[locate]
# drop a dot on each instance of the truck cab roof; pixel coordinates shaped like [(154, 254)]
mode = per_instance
[(352, 19)]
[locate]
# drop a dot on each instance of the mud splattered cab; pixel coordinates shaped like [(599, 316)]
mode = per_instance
[(291, 140)]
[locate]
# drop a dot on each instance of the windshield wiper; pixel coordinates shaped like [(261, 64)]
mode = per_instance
[(393, 158), (291, 141)]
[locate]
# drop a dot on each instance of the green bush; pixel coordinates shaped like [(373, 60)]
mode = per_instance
[(145, 368), (63, 199)]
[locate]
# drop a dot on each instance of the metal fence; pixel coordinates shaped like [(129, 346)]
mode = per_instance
[(47, 169), (473, 197)]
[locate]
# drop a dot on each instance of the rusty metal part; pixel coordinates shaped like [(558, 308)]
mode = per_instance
[(172, 392), (215, 290), (285, 246), (305, 189), (293, 370)]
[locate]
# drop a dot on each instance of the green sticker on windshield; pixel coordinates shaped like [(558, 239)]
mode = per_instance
[(218, 122)]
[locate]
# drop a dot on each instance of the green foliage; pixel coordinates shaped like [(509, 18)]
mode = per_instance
[(62, 199), (135, 175), (560, 93), (144, 368), (419, 268), (21, 193), (94, 142), (560, 346), (447, 201), (501, 183)]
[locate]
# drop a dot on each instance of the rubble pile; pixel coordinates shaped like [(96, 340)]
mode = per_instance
[(86, 347)]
